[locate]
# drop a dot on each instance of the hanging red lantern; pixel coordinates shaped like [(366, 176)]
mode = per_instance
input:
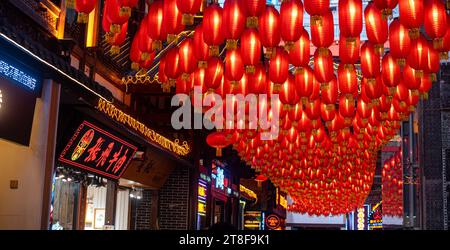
[(412, 16), (233, 20), (386, 6), (291, 15), (399, 41), (189, 8), (349, 52), (323, 66), (435, 21), (426, 83), (135, 54), (401, 92), (162, 77), (184, 85), (370, 60), (145, 42), (254, 9), (199, 79), (433, 63), (411, 77), (118, 40), (346, 107), (146, 64), (376, 27), (304, 81), (214, 73), (288, 94), (234, 66), (212, 28), (155, 20), (350, 19), (172, 69), (300, 54), (316, 9), (172, 20), (201, 50), (269, 29), (279, 67), (373, 88), (322, 36), (417, 57), (218, 140), (348, 81), (187, 58), (250, 49), (126, 6), (113, 13), (391, 71), (258, 81), (445, 43), (330, 92), (84, 8)]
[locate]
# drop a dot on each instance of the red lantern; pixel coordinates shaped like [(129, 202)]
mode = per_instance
[(172, 69), (184, 85), (234, 66), (399, 41), (288, 94), (218, 140), (370, 61), (299, 55), (233, 21), (425, 85), (401, 92), (373, 87), (279, 67), (435, 21), (84, 7), (201, 50), (172, 20), (376, 26), (146, 64), (386, 6), (161, 71), (258, 81), (145, 42), (322, 36), (346, 107), (330, 92), (412, 15), (323, 66), (304, 81), (250, 49), (189, 8), (350, 19), (433, 63), (126, 6), (135, 53), (391, 71), (348, 81), (291, 14), (411, 77), (187, 58), (254, 9), (316, 9), (349, 52), (199, 79), (212, 28), (417, 58), (155, 20), (269, 29), (118, 40), (113, 13), (214, 73)]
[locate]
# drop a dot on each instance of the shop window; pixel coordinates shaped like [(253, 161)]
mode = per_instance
[(95, 208), (65, 200)]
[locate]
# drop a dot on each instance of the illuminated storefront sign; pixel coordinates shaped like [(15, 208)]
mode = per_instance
[(376, 217), (16, 75), (248, 192), (121, 117), (202, 194), (252, 220), (273, 222), (281, 200), (220, 178), (98, 151)]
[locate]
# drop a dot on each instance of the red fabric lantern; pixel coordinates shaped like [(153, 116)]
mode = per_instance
[(218, 140), (172, 69), (435, 21), (349, 52), (250, 49), (300, 53), (279, 67), (350, 19), (322, 36), (401, 92), (189, 8), (288, 94), (412, 15), (187, 58), (323, 66), (162, 77), (399, 41), (184, 85), (84, 7), (317, 7), (233, 20), (254, 7), (145, 42), (212, 28), (119, 39), (348, 81), (199, 79), (433, 63), (370, 61), (291, 14), (386, 6), (417, 58), (126, 6), (391, 71), (172, 20), (376, 26), (411, 77), (304, 81), (258, 81), (426, 83), (214, 73), (113, 13), (269, 29), (135, 53), (234, 66), (373, 87), (201, 50), (330, 92), (146, 64), (155, 20), (346, 107)]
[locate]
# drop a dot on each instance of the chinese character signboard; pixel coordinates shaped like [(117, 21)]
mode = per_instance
[(252, 220), (273, 222), (376, 217), (98, 151)]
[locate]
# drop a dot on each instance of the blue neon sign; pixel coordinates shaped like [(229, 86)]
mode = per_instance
[(9, 71)]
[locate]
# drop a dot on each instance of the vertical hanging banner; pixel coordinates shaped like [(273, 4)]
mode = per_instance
[(98, 151)]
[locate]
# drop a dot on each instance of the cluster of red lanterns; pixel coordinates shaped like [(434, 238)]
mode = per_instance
[(392, 185), (332, 123)]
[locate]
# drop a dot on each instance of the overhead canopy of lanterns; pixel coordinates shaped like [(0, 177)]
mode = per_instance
[(392, 186), (332, 122)]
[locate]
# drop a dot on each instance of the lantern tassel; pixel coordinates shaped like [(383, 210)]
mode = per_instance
[(156, 45), (125, 11), (252, 22), (231, 44), (219, 152), (187, 19)]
